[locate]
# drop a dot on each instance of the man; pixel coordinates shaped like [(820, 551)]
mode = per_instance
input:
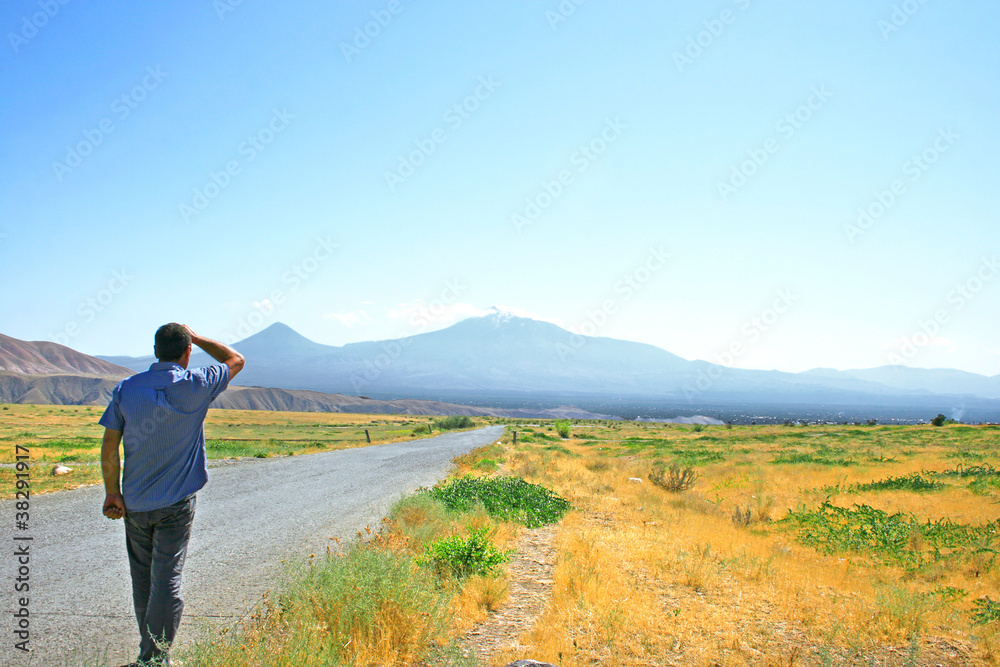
[(159, 416)]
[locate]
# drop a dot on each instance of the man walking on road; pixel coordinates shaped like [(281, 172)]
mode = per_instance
[(159, 416)]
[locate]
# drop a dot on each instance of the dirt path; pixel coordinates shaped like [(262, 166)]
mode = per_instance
[(530, 590)]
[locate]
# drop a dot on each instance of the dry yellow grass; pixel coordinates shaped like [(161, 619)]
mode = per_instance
[(645, 577)]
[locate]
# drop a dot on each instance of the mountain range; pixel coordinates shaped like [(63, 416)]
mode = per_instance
[(501, 363), (500, 356), (47, 373)]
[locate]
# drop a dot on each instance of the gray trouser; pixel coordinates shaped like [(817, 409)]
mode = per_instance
[(157, 543)]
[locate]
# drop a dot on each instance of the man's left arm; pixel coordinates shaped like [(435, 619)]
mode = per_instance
[(111, 468)]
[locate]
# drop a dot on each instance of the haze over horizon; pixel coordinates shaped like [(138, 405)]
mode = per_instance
[(811, 185)]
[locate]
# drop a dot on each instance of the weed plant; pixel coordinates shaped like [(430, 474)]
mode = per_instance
[(985, 610), (889, 537)]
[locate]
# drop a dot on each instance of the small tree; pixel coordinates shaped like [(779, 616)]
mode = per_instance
[(562, 428), (939, 420)]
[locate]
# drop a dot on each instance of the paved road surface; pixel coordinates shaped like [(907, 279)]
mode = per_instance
[(249, 517)]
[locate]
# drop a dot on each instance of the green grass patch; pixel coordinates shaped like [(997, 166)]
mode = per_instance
[(504, 498), (817, 458), (913, 482), (685, 454), (220, 449), (984, 470)]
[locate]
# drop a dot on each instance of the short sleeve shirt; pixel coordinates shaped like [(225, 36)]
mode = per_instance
[(161, 413)]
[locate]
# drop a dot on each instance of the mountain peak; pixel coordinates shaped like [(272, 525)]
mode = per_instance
[(279, 334)]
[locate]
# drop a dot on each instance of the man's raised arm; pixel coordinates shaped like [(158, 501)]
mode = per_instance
[(219, 351)]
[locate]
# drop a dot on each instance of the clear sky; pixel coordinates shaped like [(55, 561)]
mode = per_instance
[(815, 183)]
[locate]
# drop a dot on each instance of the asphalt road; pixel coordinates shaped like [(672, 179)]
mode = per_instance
[(248, 519)]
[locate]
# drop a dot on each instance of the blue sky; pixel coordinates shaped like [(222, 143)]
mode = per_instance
[(813, 184)]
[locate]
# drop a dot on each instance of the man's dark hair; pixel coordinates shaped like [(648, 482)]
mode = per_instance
[(171, 342)]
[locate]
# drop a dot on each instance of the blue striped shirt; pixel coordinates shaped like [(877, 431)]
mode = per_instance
[(161, 413)]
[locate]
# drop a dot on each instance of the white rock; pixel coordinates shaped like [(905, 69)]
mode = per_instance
[(61, 470), (637, 480)]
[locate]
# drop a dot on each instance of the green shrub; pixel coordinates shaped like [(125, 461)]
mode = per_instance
[(504, 498), (453, 422), (562, 428), (462, 557)]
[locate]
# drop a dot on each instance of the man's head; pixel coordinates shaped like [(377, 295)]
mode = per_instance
[(171, 343)]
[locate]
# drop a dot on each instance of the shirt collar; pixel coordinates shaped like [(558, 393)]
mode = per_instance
[(166, 366)]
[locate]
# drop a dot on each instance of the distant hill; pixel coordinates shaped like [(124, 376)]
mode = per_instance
[(78, 390), (44, 358), (503, 356), (931, 381), (55, 389)]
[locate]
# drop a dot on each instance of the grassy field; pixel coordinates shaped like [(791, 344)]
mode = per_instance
[(684, 545), (794, 545), (70, 435)]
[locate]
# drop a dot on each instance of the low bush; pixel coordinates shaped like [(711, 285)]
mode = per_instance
[(672, 479), (453, 422), (460, 557)]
